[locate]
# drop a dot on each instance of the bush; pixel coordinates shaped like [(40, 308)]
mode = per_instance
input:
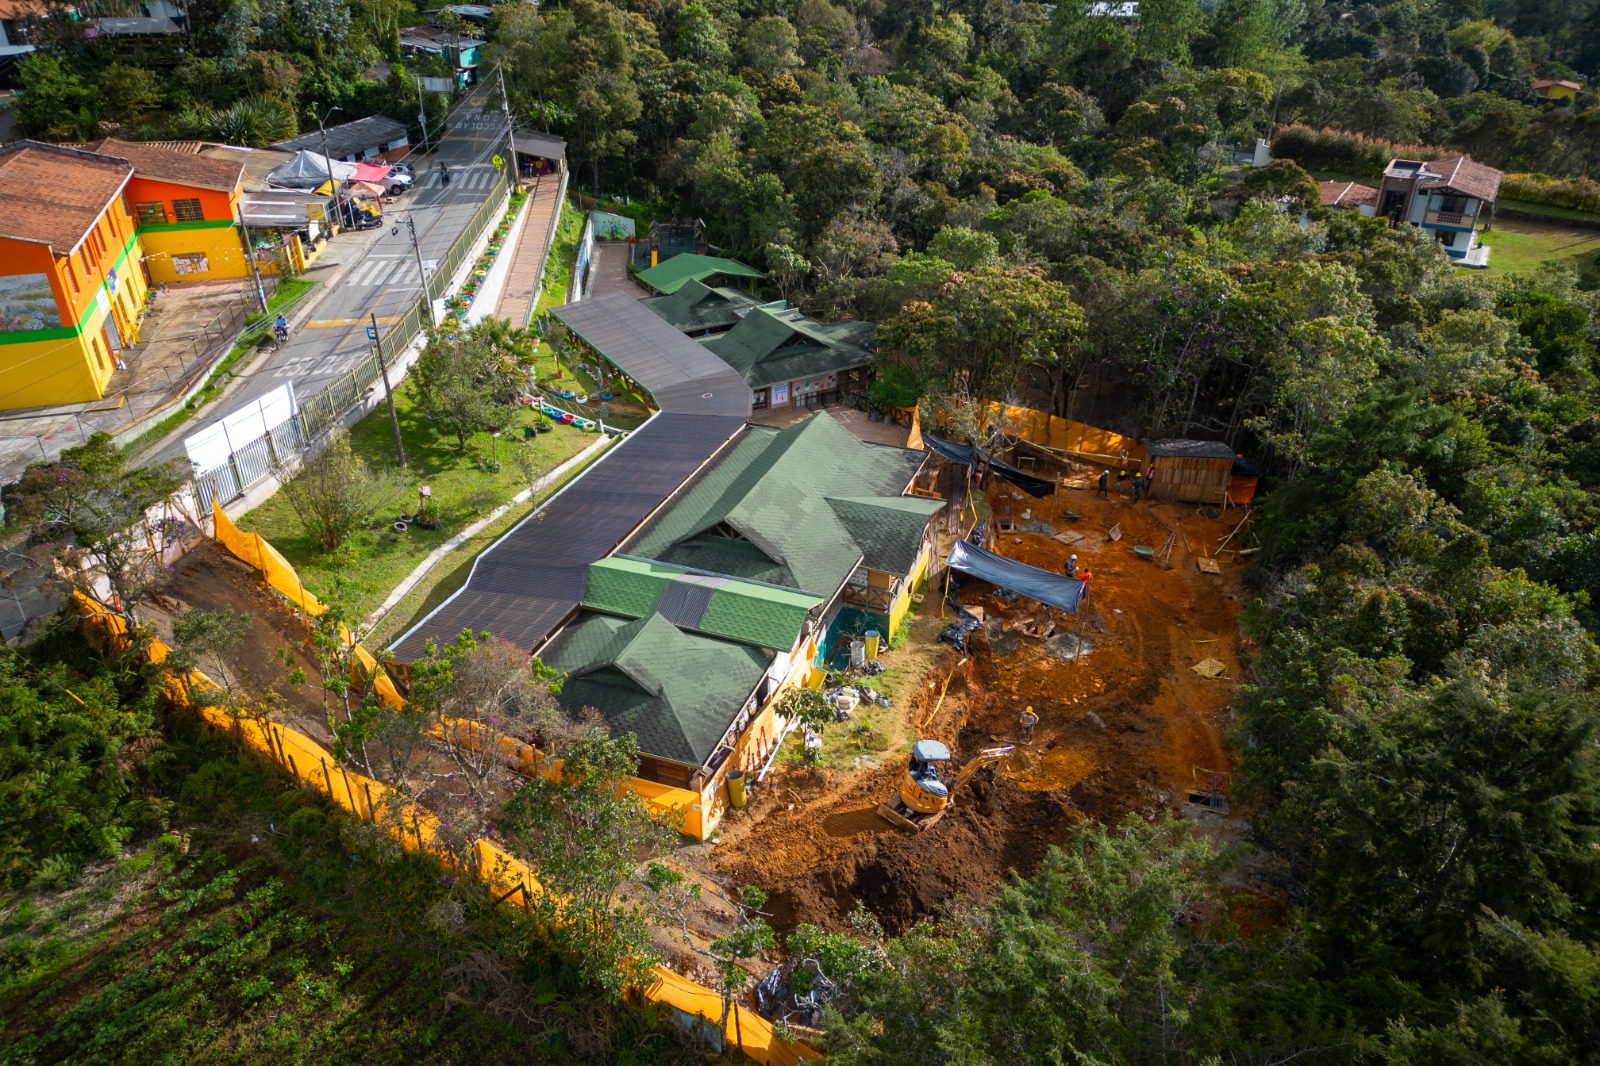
[(1356, 153), (1577, 194)]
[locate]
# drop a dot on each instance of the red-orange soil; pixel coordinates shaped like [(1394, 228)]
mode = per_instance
[(1126, 727)]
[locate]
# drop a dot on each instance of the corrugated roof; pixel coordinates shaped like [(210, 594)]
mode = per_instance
[(348, 138), (680, 375), (763, 512), (53, 196), (166, 164), (530, 579), (677, 692), (669, 276), (771, 345), (741, 611), (1191, 449)]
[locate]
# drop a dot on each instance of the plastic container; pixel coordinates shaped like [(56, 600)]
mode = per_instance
[(736, 793), (874, 638), (858, 654)]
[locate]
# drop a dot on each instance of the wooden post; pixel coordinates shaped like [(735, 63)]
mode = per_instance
[(350, 793), (372, 814), (326, 777)]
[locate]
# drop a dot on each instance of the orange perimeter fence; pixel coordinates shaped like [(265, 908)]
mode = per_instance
[(694, 1007)]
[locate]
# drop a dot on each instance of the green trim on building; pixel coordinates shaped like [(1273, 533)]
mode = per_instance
[(174, 227), (764, 616), (61, 333), (669, 276)]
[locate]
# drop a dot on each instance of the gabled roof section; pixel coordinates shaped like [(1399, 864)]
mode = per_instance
[(161, 163), (53, 196), (697, 307), (1346, 194), (745, 612), (777, 344), (669, 276), (889, 529), (1459, 173), (772, 493), (677, 691)]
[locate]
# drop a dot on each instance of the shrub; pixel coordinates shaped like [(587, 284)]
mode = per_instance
[(1578, 194), (1342, 150)]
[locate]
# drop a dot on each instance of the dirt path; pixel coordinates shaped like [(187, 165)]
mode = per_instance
[(1125, 726)]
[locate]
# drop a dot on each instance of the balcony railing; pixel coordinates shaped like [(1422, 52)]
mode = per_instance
[(1450, 218)]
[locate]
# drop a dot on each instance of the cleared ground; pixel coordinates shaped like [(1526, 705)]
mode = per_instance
[(1126, 723)]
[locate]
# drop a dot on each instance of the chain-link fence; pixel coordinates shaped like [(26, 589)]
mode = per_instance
[(251, 461)]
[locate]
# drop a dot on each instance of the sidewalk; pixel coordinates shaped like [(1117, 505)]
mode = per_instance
[(610, 271), (187, 327), (521, 292)]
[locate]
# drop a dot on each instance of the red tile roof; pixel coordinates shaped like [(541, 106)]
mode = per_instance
[(1346, 194), (1459, 173), (160, 163), (1550, 83), (54, 196)]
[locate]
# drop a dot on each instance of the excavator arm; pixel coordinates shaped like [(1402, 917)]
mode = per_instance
[(978, 762)]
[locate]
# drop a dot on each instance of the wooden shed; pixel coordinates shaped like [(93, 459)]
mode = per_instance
[(1189, 471)]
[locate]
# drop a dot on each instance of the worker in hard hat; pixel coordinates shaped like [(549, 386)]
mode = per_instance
[(1029, 720)]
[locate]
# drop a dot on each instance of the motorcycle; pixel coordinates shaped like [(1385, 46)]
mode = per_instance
[(280, 331)]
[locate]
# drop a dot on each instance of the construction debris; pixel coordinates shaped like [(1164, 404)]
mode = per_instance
[(1209, 668), (1208, 566)]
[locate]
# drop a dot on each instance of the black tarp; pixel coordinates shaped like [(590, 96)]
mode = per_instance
[(970, 457), (1054, 590)]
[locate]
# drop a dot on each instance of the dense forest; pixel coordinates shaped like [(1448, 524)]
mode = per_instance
[(1039, 202)]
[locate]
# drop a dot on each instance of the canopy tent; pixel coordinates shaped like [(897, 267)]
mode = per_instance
[(364, 188), (1054, 590), (970, 456), (374, 173), (308, 170)]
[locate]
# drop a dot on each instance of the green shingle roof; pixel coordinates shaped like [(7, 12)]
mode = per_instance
[(767, 510), (669, 276), (773, 344), (741, 611), (677, 691), (697, 307)]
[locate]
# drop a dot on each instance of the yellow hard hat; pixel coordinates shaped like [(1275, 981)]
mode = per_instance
[(1030, 709)]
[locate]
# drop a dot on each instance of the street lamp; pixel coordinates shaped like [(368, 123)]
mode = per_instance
[(333, 183)]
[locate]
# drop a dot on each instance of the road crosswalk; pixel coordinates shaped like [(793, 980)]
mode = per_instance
[(384, 272), (472, 178)]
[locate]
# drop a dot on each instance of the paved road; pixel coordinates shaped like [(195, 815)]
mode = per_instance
[(386, 278)]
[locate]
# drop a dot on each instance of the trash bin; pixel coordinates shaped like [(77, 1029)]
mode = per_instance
[(736, 794), (874, 638), (858, 654)]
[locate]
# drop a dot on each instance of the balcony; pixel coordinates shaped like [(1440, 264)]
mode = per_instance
[(1459, 219)]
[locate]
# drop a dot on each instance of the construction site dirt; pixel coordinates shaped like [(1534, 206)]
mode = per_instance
[(1126, 724)]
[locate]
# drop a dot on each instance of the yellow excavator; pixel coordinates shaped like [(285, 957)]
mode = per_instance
[(925, 794)]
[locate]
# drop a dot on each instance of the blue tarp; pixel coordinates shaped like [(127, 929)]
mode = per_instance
[(970, 457), (1054, 590)]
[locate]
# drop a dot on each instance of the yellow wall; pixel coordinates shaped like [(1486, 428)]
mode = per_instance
[(902, 602), (1559, 92), (220, 245), (75, 362)]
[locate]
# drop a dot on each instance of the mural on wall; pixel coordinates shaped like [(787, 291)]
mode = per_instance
[(26, 304)]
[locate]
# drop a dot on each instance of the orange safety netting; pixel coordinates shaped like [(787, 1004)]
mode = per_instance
[(1063, 434), (417, 829)]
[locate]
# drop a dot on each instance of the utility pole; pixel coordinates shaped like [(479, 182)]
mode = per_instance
[(250, 254), (422, 114), (511, 133), (422, 275), (388, 393), (333, 183)]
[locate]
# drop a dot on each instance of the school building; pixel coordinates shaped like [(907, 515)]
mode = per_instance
[(84, 233)]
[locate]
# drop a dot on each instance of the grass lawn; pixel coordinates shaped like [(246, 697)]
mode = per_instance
[(376, 559), (1522, 247), (558, 268), (1548, 210)]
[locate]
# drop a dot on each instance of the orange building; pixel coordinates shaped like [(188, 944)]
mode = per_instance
[(186, 206), (83, 233), (70, 284)]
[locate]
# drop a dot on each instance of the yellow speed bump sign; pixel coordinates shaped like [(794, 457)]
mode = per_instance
[(497, 161)]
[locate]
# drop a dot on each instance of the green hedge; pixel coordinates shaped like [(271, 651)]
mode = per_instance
[(1577, 194), (1356, 153)]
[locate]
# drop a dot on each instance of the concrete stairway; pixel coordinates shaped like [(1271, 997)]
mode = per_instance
[(521, 290)]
